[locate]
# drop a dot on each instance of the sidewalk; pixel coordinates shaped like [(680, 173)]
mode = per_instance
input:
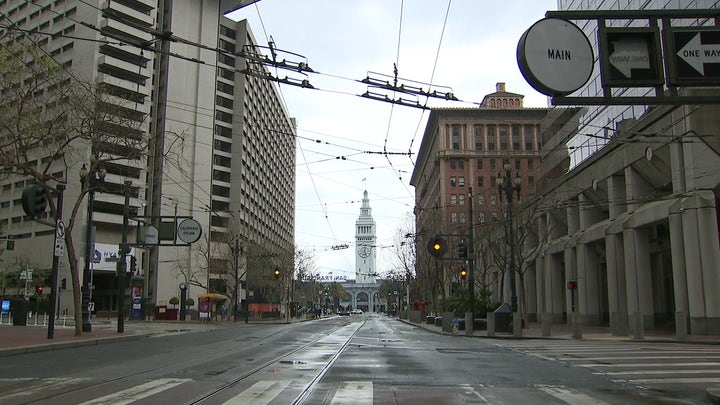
[(16, 340)]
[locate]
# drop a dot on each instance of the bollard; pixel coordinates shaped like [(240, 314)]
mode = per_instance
[(681, 331), (546, 324), (491, 324), (517, 324), (577, 326), (638, 326)]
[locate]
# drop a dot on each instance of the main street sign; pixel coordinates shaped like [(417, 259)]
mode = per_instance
[(555, 57), (694, 56), (630, 57)]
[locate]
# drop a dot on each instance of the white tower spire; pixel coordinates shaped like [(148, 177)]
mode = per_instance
[(365, 244)]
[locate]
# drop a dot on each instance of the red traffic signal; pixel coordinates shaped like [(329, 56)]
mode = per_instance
[(39, 290), (207, 299), (572, 284), (463, 273)]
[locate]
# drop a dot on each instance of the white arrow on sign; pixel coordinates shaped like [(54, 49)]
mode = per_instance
[(630, 53), (697, 55)]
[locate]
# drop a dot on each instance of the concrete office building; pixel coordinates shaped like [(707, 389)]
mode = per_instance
[(229, 142), (635, 222)]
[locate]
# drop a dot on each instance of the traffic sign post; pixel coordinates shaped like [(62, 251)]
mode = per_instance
[(630, 57), (694, 56)]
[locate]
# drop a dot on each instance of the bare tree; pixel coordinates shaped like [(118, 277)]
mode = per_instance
[(50, 121)]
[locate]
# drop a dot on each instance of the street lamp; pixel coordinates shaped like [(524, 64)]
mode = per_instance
[(90, 180), (508, 185)]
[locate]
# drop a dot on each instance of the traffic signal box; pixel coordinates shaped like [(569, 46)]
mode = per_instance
[(462, 249), (463, 273), (34, 202), (277, 272), (437, 246)]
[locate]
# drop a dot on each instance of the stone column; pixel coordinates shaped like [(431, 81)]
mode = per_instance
[(638, 279)]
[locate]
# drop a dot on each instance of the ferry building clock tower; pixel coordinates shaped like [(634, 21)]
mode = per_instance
[(365, 244)]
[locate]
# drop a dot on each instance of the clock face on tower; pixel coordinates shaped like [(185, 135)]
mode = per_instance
[(364, 250)]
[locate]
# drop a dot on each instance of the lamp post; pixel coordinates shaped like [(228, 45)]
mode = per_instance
[(506, 184), (90, 181)]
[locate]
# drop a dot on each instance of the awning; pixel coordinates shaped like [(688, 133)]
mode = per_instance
[(213, 296)]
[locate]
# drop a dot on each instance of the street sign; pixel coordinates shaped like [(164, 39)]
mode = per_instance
[(630, 57), (59, 238), (555, 57), (694, 56), (189, 231)]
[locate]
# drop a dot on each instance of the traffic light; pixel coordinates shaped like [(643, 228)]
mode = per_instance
[(63, 283), (277, 272), (33, 199), (327, 293), (10, 244), (133, 264), (462, 249), (389, 293), (436, 246), (39, 290), (463, 273)]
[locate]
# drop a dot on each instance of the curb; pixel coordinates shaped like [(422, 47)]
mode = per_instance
[(712, 394), (69, 345)]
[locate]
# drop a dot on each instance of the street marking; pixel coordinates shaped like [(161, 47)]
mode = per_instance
[(354, 392), (41, 385), (635, 358), (138, 392), (570, 396), (655, 372), (260, 393), (648, 365), (674, 381)]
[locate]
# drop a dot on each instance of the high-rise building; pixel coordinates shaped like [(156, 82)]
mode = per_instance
[(229, 143)]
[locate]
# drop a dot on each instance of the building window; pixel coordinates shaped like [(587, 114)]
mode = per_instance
[(462, 217), (461, 164), (455, 136), (453, 217), (491, 137), (492, 164), (531, 181), (482, 217), (481, 181), (478, 137), (493, 199), (461, 181), (528, 137), (481, 200), (452, 164), (461, 199), (453, 181), (480, 164), (516, 137), (503, 138), (530, 164), (453, 199), (517, 164)]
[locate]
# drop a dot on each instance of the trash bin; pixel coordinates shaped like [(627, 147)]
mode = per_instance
[(503, 318), (19, 312), (430, 320)]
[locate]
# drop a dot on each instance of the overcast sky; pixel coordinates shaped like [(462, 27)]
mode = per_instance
[(346, 41)]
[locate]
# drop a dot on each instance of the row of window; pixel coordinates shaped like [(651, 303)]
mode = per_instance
[(503, 137), (459, 217), (459, 181), (494, 164)]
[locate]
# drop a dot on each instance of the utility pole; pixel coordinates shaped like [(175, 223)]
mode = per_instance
[(124, 250), (160, 86)]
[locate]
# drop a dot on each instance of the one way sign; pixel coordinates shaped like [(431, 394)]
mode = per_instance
[(695, 57)]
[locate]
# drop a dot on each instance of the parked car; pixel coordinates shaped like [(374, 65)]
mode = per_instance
[(343, 313), (356, 311)]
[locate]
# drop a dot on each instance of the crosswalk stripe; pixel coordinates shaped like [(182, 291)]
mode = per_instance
[(608, 358), (666, 371), (41, 386), (354, 392), (571, 396), (260, 393), (138, 392), (648, 365), (674, 381)]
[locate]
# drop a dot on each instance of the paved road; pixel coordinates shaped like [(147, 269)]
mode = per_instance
[(367, 359)]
